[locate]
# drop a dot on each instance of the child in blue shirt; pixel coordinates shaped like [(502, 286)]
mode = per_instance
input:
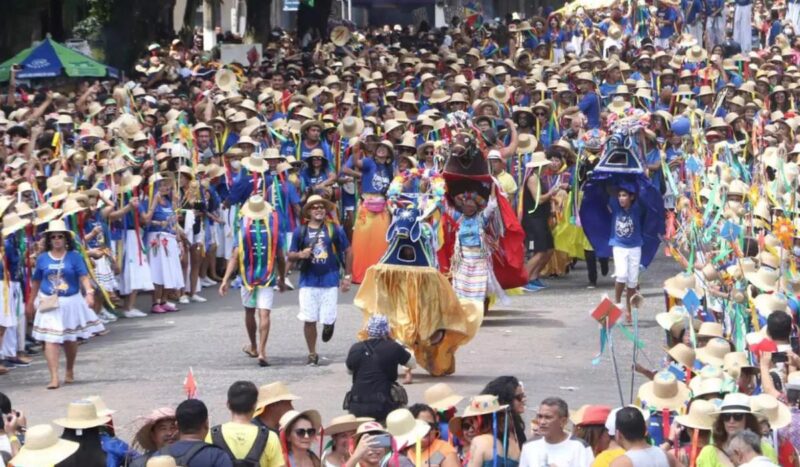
[(626, 242)]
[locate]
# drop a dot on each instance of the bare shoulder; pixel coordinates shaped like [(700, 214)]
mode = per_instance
[(621, 461)]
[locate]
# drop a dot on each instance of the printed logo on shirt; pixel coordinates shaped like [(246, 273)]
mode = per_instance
[(380, 182), (624, 226)]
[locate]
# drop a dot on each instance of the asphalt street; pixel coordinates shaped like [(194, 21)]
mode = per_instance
[(546, 339)]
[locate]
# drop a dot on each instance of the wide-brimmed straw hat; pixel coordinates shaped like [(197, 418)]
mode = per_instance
[(677, 285), (100, 406), (81, 414), (12, 223), (71, 206), (269, 394), (43, 447), (676, 318), (706, 386), (682, 354), (255, 163), (776, 412), (350, 127), (538, 159), (45, 213), (161, 461), (57, 226), (404, 428), (441, 396), (764, 279), (128, 182), (734, 362), (478, 405), (343, 424), (735, 402), (289, 417), (710, 329), (256, 208), (526, 143), (664, 392), (713, 353), (317, 199), (701, 415), (142, 437)]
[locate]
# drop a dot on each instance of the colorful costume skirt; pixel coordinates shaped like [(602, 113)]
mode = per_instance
[(369, 240)]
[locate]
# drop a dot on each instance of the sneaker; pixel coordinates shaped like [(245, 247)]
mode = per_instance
[(531, 287), (107, 315), (591, 286), (157, 309), (288, 283), (103, 320), (14, 363), (313, 359), (208, 282), (167, 306), (604, 268), (327, 332), (134, 313), (184, 300), (237, 283), (198, 299)]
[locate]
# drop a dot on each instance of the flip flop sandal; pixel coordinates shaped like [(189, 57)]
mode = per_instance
[(250, 352), (263, 362)]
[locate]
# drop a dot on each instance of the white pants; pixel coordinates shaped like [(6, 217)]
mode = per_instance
[(626, 265), (662, 44), (715, 30), (318, 304), (742, 27), (14, 337), (793, 14), (696, 30)]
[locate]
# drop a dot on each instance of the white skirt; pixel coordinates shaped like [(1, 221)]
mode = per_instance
[(135, 273), (72, 320), (165, 260), (10, 304), (104, 274), (225, 239)]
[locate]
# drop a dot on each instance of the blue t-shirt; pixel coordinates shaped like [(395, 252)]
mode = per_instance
[(626, 225), (305, 151), (208, 456), (282, 195), (92, 221), (655, 175), (12, 257), (590, 106), (163, 212), (375, 178), (322, 268), (309, 180), (667, 30), (67, 283)]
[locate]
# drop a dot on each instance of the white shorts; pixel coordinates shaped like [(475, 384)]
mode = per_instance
[(318, 304), (260, 297), (626, 265)]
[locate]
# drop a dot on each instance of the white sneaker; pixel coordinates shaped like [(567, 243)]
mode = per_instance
[(172, 304), (184, 299), (134, 313), (288, 283), (198, 299), (107, 316), (207, 282)]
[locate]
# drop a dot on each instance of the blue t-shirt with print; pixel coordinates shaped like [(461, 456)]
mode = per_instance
[(322, 268), (375, 178), (65, 283), (163, 212), (626, 224), (305, 151), (90, 222)]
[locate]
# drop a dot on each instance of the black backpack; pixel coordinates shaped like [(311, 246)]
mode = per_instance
[(253, 457), (183, 461)]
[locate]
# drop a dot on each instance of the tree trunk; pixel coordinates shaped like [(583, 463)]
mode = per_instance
[(258, 21)]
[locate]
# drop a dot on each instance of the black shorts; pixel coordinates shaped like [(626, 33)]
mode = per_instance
[(538, 237)]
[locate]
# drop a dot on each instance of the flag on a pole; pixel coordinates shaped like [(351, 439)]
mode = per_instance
[(190, 385), (473, 14)]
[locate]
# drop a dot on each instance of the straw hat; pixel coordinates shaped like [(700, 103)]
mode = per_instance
[(391, 125), (45, 213), (763, 278), (704, 386), (735, 402), (12, 223), (526, 143), (538, 159), (439, 96), (682, 354), (289, 417), (441, 397), (161, 461), (58, 191), (80, 414), (619, 105), (714, 352), (765, 304), (351, 127), (776, 412), (734, 362), (701, 415), (677, 318), (342, 424), (677, 285), (43, 447), (71, 206), (664, 392), (710, 329), (269, 394), (316, 199), (128, 182), (255, 163), (100, 406), (143, 433), (256, 208), (404, 428)]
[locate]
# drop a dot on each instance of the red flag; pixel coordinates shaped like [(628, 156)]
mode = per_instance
[(190, 385), (252, 56), (607, 311)]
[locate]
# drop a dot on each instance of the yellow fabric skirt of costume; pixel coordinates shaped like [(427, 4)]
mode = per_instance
[(369, 240), (419, 301)]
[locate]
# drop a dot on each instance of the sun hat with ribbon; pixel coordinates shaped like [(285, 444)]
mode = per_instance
[(441, 397), (343, 424), (81, 414), (43, 447), (289, 417), (269, 394), (12, 223), (526, 143), (404, 428), (538, 159), (256, 208), (701, 415), (776, 412), (664, 392), (735, 402)]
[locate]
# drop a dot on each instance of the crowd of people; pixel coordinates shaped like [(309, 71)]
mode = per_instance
[(497, 153)]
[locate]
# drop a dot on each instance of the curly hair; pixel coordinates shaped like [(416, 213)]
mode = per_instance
[(68, 242)]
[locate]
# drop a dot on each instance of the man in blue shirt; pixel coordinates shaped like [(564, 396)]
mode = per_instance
[(321, 250), (626, 242), (191, 448), (666, 18), (589, 104)]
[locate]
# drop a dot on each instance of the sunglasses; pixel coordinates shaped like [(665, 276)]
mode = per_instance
[(305, 432), (540, 114), (318, 207), (521, 397), (738, 417), (57, 237)]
